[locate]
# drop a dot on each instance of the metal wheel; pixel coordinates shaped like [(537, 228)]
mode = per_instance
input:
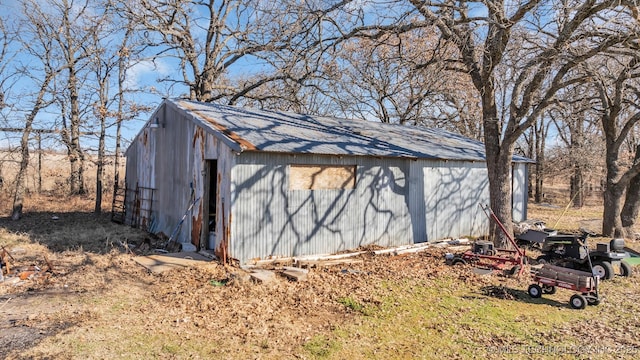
[(535, 291), (578, 301), (603, 269)]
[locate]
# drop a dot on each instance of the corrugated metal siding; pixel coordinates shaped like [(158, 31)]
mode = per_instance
[(453, 191), (217, 150), (270, 219), (520, 190), (140, 174), (171, 159), (174, 176), (386, 207)]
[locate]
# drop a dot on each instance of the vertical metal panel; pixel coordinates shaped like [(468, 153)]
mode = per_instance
[(520, 191), (173, 178), (131, 173), (217, 150), (141, 175), (417, 192), (453, 191)]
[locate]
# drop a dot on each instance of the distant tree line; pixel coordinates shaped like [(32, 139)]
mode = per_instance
[(514, 74)]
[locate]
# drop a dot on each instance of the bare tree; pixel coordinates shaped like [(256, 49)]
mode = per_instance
[(104, 64), (403, 79), (71, 25), (537, 137), (231, 49), (616, 78), (577, 126), (37, 43), (631, 207), (7, 37), (557, 37)]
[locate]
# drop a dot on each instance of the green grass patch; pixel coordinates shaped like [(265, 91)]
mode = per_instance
[(321, 347), (352, 304), (443, 318)]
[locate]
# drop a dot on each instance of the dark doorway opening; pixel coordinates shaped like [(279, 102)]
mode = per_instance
[(212, 196)]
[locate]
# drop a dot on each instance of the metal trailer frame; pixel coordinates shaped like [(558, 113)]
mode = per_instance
[(496, 259)]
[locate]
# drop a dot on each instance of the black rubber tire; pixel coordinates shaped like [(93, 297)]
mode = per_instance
[(578, 301), (604, 269), (549, 289), (543, 259), (458, 261), (514, 270), (592, 300), (535, 291), (625, 269)]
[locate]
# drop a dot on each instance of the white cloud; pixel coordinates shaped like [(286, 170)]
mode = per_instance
[(145, 73)]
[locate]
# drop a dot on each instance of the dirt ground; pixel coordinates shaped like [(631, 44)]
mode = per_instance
[(272, 319), (76, 289)]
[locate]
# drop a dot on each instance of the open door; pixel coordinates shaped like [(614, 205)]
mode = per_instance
[(211, 196)]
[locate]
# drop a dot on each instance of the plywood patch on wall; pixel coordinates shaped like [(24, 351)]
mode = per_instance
[(322, 177)]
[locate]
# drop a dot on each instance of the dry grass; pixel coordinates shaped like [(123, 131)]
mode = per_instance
[(53, 178)]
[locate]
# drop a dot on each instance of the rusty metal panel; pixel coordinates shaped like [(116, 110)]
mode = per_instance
[(170, 159), (216, 149), (140, 180)]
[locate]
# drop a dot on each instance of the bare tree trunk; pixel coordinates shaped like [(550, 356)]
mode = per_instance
[(631, 207), (540, 136), (100, 166), (611, 222), (75, 153), (72, 45), (616, 127), (18, 197), (613, 192), (576, 190), (500, 193), (116, 161), (39, 163), (119, 119), (530, 174), (499, 159)]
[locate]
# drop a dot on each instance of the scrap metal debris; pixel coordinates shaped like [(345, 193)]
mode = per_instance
[(17, 275)]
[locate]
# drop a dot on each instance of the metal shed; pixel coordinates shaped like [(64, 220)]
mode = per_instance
[(268, 184)]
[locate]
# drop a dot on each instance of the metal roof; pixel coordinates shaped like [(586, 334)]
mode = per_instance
[(247, 129)]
